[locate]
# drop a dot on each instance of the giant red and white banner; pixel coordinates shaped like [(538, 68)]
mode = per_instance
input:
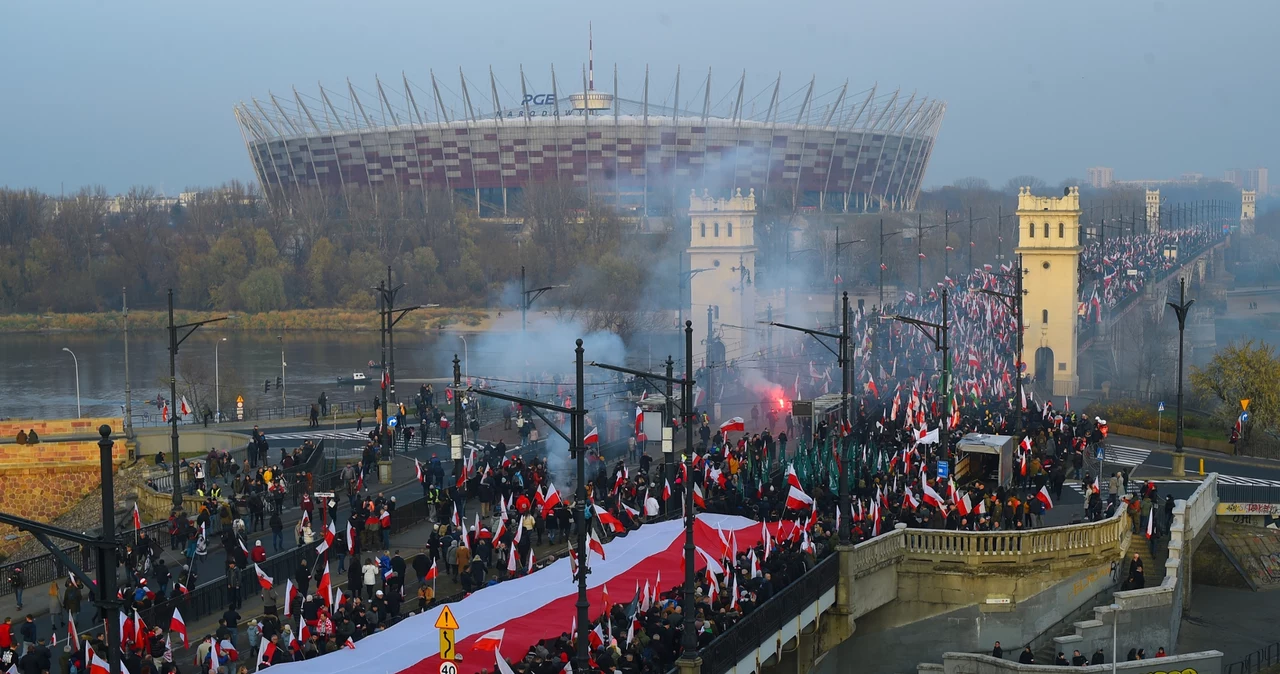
[(534, 607)]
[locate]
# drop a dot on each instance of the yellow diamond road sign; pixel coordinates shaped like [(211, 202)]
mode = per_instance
[(446, 621)]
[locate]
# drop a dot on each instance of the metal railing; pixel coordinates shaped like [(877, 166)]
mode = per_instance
[(1248, 493), (727, 650), (1256, 661), (301, 412), (45, 568)]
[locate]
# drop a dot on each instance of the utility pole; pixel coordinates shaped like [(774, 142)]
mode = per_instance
[(174, 458), (969, 268), (1179, 468), (284, 399), (841, 353), (711, 403), (668, 442), (391, 341), (128, 389), (579, 418), (528, 296), (689, 660), (843, 491), (455, 439), (1014, 304), (939, 334), (389, 316)]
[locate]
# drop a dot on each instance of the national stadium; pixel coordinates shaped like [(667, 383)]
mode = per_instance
[(640, 144)]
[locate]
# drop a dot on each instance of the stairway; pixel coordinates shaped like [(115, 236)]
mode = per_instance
[(1089, 634)]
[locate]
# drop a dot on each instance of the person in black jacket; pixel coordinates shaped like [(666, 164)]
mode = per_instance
[(997, 652), (1061, 660), (1098, 658), (1078, 660), (1027, 657)]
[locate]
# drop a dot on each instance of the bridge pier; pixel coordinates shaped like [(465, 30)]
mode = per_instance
[(689, 666)]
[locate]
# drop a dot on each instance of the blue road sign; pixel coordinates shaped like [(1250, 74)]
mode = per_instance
[(1101, 451), (1161, 407), (392, 422), (1244, 417), (944, 469)]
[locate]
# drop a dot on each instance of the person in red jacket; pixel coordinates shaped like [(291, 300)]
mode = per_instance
[(6, 634), (259, 553)]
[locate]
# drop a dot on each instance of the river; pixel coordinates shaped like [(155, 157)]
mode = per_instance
[(39, 378)]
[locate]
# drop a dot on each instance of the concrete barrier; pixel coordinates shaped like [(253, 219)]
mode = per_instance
[(192, 441)]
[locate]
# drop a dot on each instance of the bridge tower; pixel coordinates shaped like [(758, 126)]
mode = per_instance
[(722, 241), (1153, 211), (1049, 243), (1248, 209)]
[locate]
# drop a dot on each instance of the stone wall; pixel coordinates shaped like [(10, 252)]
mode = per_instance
[(42, 482), (192, 441), (50, 428), (1206, 662)]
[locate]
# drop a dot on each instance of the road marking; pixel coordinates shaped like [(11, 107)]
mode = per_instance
[(1126, 456)]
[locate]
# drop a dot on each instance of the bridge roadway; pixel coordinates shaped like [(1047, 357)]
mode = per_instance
[(913, 595)]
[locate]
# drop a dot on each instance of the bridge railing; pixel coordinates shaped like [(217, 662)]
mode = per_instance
[(739, 641), (1104, 537)]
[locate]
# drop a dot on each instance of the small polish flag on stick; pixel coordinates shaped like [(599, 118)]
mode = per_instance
[(263, 579), (137, 518), (1043, 497), (592, 438), (177, 624), (797, 499), (734, 424)]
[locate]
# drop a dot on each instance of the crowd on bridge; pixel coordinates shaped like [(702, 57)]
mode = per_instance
[(1112, 270)]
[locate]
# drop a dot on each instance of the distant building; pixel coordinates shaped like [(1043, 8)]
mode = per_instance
[(1101, 177), (1254, 179), (1248, 209)]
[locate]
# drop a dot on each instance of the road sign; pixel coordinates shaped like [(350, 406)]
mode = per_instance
[(944, 469), (1244, 404), (1244, 417), (392, 422), (446, 621), (448, 651), (239, 408), (1101, 452), (323, 494), (1161, 407)]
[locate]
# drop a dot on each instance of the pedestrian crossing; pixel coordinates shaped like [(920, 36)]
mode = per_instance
[(1135, 484), (320, 434), (1125, 456)]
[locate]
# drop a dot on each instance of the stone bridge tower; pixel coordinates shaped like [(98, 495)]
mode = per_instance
[(722, 241), (1248, 210), (1049, 244), (1153, 211)]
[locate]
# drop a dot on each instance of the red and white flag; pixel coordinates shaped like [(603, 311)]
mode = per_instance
[(432, 572), (349, 644), (666, 490), (176, 624), (137, 518), (698, 500), (595, 545), (263, 579), (1151, 524), (1043, 497), (797, 499), (931, 497), (607, 518), (734, 424), (592, 438)]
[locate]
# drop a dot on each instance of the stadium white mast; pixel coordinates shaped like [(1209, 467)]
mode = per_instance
[(591, 60)]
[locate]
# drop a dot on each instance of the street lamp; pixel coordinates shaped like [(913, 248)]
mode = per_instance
[(217, 382), (284, 400), (174, 343), (884, 237), (838, 281), (1179, 468), (1115, 634), (1014, 303), (528, 296), (686, 276), (842, 342), (939, 334), (77, 362)]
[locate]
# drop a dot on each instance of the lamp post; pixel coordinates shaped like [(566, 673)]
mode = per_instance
[(939, 334), (527, 297), (1014, 303), (1179, 468), (217, 382), (838, 281), (577, 415), (77, 362), (174, 343), (689, 661), (842, 342), (128, 388), (284, 399), (686, 277)]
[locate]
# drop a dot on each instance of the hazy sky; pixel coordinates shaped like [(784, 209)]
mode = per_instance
[(125, 92)]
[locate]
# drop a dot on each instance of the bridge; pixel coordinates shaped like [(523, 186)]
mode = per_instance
[(913, 596)]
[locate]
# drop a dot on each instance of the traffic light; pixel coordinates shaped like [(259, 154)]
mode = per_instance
[(266, 385), (279, 382)]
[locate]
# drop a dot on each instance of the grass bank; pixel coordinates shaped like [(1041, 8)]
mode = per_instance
[(344, 320)]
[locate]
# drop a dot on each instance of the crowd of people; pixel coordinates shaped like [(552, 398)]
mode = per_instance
[(1114, 269)]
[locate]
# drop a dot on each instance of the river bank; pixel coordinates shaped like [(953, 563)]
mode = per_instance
[(323, 320)]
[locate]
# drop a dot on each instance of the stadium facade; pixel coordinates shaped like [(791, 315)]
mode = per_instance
[(833, 149)]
